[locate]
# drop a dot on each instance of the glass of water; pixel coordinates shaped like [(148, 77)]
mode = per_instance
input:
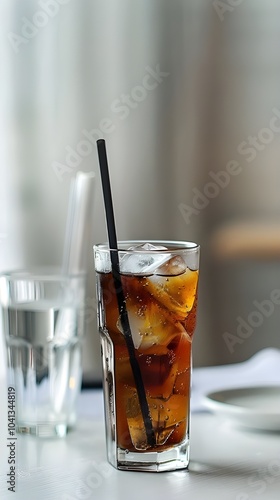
[(42, 321)]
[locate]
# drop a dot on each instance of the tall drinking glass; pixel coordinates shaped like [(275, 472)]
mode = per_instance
[(159, 282)]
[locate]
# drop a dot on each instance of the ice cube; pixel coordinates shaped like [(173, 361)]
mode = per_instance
[(150, 324), (167, 418), (144, 261), (158, 373), (193, 260), (148, 246), (173, 267), (102, 261), (176, 293)]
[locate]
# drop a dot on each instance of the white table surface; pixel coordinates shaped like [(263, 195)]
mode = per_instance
[(227, 463)]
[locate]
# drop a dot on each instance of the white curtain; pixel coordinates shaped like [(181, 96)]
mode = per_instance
[(173, 89)]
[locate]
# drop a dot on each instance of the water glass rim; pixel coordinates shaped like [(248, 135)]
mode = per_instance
[(41, 273)]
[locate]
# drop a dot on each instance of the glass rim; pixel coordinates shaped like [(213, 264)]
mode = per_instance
[(40, 273), (174, 246)]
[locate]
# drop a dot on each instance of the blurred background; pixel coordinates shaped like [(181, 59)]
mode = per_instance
[(186, 94)]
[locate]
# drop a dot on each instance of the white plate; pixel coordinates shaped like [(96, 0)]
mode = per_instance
[(253, 407)]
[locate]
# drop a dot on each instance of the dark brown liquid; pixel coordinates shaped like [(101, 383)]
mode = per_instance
[(162, 316)]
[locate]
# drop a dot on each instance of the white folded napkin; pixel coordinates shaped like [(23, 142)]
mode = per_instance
[(261, 370)]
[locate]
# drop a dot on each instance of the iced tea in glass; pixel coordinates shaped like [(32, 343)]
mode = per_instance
[(159, 281)]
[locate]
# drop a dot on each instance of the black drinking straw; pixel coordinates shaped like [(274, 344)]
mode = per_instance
[(102, 155)]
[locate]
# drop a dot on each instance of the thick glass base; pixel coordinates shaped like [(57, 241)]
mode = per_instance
[(169, 460), (43, 430)]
